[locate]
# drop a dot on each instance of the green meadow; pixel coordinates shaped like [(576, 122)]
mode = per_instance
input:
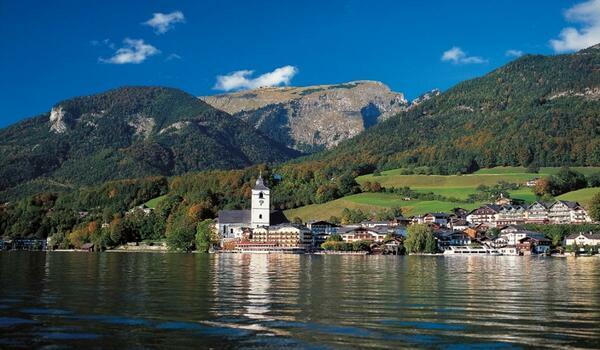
[(457, 187), (154, 201)]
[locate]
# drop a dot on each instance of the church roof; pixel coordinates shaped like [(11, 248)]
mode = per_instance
[(260, 185), (276, 217), (234, 216)]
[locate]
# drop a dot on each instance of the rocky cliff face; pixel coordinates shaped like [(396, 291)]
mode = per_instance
[(315, 117)]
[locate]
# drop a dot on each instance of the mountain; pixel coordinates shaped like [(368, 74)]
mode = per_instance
[(315, 117), (125, 133), (537, 109)]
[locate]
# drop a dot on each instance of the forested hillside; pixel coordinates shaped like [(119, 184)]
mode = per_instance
[(538, 109), (126, 133)]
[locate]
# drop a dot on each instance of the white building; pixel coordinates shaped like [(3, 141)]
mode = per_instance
[(261, 202), (583, 239), (566, 212), (231, 223), (512, 234)]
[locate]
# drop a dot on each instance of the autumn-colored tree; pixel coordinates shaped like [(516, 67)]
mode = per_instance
[(542, 187)]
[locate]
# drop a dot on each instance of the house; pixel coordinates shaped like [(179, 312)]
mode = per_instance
[(458, 224), (143, 207), (503, 200), (473, 232), (508, 250), (583, 239), (400, 221), (441, 219), (452, 238), (484, 214), (567, 212), (510, 215), (460, 213), (87, 247), (537, 213), (321, 230), (353, 234), (511, 235), (533, 245), (374, 223), (533, 182)]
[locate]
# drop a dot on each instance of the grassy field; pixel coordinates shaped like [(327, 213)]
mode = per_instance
[(372, 203), (583, 196), (154, 201), (451, 186)]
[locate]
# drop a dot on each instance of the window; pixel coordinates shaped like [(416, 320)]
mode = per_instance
[(260, 195), (260, 216)]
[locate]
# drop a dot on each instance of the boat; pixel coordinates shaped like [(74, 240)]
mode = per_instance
[(467, 250)]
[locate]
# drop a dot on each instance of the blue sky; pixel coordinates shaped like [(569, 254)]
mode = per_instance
[(53, 50)]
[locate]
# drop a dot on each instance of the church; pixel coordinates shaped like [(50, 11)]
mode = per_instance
[(232, 223)]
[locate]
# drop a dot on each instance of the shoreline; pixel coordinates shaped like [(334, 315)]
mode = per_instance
[(163, 250)]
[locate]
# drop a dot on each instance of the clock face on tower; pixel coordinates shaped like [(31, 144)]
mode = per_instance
[(260, 202)]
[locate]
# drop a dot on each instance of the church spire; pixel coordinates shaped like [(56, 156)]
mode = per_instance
[(260, 184)]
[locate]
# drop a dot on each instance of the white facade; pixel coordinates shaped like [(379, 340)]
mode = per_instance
[(583, 239), (261, 205)]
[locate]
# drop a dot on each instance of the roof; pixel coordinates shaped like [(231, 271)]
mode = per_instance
[(245, 217), (87, 245), (260, 185), (234, 216), (371, 222), (439, 215), (284, 225), (494, 207), (569, 204), (586, 235), (536, 239), (545, 205), (322, 222)]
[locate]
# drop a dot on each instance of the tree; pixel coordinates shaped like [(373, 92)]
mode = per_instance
[(361, 246), (542, 187), (420, 239), (335, 237), (204, 235), (594, 180), (595, 207), (181, 232), (494, 232), (566, 180), (533, 168)]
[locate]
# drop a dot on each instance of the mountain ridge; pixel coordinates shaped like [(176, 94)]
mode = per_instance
[(129, 132), (312, 118)]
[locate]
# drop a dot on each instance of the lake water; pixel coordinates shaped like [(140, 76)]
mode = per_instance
[(137, 300)]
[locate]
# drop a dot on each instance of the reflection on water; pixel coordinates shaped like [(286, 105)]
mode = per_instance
[(134, 300)]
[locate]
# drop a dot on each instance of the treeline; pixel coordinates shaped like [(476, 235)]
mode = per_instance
[(566, 180), (45, 214)]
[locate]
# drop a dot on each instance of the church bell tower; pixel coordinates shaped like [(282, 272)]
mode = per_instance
[(261, 204)]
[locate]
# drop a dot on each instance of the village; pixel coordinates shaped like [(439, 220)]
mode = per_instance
[(500, 228), (492, 229)]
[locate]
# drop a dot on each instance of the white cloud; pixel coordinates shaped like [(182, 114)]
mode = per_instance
[(457, 56), (587, 14), (173, 56), (241, 79), (514, 53), (105, 42), (133, 51), (163, 22)]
